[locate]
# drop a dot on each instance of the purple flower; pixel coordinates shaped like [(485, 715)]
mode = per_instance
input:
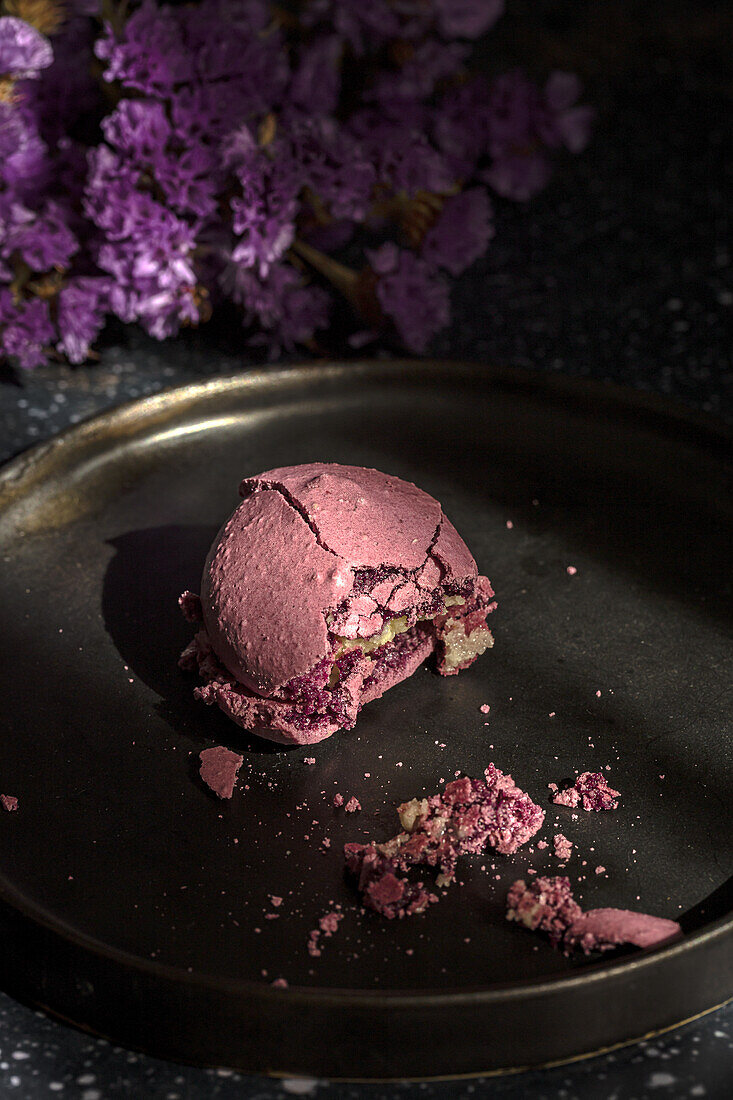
[(334, 166), (13, 217), (188, 176), (23, 51), (23, 163), (522, 122), (430, 61), (224, 37), (189, 180), (517, 174), (287, 309), (565, 123), (462, 232), (404, 158), (112, 200), (147, 249), (153, 280), (365, 24), (219, 45), (81, 308), (316, 81), (150, 53), (467, 18), (412, 294), (45, 240), (460, 126), (264, 217), (138, 127), (25, 330)]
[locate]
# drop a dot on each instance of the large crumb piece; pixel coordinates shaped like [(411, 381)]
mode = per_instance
[(463, 819), (219, 767), (381, 888), (547, 905), (591, 791), (9, 802), (563, 847)]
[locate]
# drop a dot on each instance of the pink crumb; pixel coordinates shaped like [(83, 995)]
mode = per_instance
[(275, 900), (598, 695), (590, 790), (352, 805), (309, 760), (509, 525), (562, 846), (338, 800), (9, 802), (542, 844), (551, 714), (219, 767), (329, 922), (326, 842), (484, 708), (327, 925), (279, 983), (571, 570), (600, 869), (313, 949)]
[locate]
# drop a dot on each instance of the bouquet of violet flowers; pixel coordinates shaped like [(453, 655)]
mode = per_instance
[(305, 162)]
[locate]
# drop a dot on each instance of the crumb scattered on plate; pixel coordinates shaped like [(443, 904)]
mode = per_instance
[(590, 790), (563, 847), (463, 819)]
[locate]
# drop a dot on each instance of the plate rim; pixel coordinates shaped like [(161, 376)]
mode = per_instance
[(659, 407)]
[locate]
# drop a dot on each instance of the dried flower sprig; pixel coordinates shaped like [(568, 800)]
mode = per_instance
[(158, 161)]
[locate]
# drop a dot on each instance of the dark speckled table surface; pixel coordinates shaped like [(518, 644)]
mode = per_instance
[(620, 271)]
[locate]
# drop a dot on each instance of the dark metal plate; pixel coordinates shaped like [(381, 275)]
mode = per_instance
[(136, 905)]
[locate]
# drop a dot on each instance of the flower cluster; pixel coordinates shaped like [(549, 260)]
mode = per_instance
[(158, 161)]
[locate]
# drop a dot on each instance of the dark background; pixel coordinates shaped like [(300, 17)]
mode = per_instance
[(620, 270)]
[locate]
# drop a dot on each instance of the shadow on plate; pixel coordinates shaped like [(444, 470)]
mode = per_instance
[(149, 570)]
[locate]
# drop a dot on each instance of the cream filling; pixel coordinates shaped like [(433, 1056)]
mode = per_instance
[(461, 647), (399, 625)]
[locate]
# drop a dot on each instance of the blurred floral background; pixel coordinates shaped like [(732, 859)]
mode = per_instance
[(323, 169)]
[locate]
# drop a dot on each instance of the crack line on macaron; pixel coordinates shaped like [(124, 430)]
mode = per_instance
[(278, 487), (359, 514)]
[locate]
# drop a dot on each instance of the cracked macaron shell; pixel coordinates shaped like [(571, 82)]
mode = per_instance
[(287, 555), (265, 587), (365, 517)]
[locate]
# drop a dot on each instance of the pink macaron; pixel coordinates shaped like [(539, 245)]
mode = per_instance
[(325, 587)]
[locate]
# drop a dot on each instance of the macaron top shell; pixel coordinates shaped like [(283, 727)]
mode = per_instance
[(265, 588), (366, 517), (286, 559)]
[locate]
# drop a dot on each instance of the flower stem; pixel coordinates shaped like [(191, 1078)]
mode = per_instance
[(344, 278)]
